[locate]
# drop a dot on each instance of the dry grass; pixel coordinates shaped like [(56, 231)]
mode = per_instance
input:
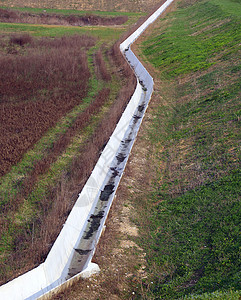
[(37, 88), (93, 5), (100, 67)]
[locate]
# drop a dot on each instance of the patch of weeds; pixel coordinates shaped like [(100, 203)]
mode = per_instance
[(11, 182)]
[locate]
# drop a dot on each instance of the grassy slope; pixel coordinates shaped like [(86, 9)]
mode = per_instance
[(192, 239)]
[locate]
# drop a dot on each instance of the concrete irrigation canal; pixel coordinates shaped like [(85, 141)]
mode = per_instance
[(93, 228), (72, 252)]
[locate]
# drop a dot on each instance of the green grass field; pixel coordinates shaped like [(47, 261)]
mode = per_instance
[(104, 33), (192, 230)]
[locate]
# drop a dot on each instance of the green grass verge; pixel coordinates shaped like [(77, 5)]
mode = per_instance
[(197, 237), (190, 224), (105, 33), (232, 7)]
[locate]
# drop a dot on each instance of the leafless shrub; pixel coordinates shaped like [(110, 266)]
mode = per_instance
[(74, 41), (42, 166), (8, 14), (21, 39)]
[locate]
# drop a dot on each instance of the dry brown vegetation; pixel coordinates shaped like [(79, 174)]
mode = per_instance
[(100, 67), (94, 5), (14, 16), (32, 243), (42, 166), (37, 88)]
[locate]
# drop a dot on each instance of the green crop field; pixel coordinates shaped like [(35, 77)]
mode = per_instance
[(190, 222)]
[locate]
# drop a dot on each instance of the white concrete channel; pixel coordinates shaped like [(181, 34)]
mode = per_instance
[(73, 250)]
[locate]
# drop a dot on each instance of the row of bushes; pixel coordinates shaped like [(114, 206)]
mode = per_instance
[(14, 16)]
